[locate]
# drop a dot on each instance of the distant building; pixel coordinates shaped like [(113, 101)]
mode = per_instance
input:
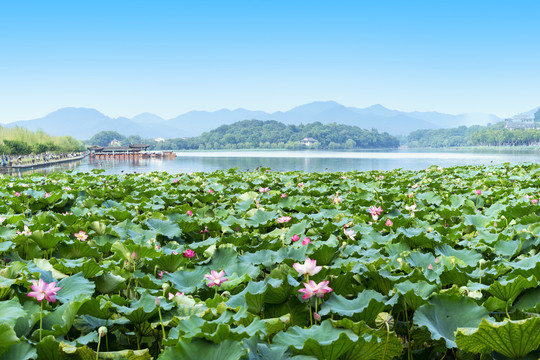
[(114, 142), (519, 122), (159, 139), (308, 141)]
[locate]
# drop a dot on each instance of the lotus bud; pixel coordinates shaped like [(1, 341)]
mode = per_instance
[(453, 261), (165, 286), (429, 229), (157, 301), (344, 244), (226, 294), (430, 267), (481, 262), (316, 316), (133, 255), (102, 331)]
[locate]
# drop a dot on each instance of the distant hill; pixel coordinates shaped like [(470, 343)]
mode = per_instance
[(83, 123)]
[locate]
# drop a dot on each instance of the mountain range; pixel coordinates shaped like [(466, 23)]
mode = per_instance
[(83, 123)]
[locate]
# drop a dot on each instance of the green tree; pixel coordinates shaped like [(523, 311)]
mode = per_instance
[(103, 138)]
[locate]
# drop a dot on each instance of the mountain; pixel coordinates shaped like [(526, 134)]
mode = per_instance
[(83, 123), (529, 113)]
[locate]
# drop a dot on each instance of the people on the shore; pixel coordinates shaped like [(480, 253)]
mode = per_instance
[(36, 159)]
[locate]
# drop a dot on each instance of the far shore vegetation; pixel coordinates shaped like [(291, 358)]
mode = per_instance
[(21, 141)]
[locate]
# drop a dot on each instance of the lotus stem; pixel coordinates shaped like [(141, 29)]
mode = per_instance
[(387, 339), (41, 321), (98, 343), (162, 327)]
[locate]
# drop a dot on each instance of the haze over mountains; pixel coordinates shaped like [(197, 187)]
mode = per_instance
[(83, 123)]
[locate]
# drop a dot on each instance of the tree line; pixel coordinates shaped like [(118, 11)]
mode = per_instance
[(491, 135), (21, 141)]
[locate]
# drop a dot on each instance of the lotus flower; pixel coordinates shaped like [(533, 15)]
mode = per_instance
[(284, 219), (478, 192), (42, 290), (205, 230), (312, 288), (216, 278), (211, 191), (308, 268), (175, 181), (81, 235), (190, 213), (47, 195), (534, 201), (430, 267), (17, 193), (2, 219), (375, 212), (295, 238), (316, 316), (306, 241), (26, 231), (171, 295), (389, 222), (264, 190), (283, 196), (189, 253), (350, 233)]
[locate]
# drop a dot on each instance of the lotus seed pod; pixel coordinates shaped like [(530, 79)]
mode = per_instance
[(165, 286)]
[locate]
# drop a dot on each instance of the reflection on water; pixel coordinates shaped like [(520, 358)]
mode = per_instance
[(65, 166), (310, 160)]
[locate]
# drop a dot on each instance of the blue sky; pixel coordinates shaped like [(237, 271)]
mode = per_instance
[(170, 57)]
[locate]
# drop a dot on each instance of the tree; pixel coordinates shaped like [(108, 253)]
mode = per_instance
[(103, 138)]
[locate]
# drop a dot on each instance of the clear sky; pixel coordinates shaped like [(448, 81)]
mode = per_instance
[(170, 57)]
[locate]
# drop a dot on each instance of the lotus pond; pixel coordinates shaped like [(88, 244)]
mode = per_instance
[(441, 263)]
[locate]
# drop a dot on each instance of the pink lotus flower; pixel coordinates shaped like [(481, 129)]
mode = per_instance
[(337, 199), (205, 230), (534, 201), (283, 196), (171, 295), (478, 192), (67, 188), (17, 193), (301, 184), (414, 186), (389, 222), (308, 268), (430, 267), (81, 235), (312, 288), (161, 273), (175, 181), (350, 233), (216, 278), (264, 190), (47, 195), (158, 247), (306, 241), (157, 301), (190, 213), (211, 191), (316, 316), (134, 255), (26, 231), (375, 212), (189, 253), (175, 252), (284, 219), (295, 238), (42, 290), (437, 260), (2, 219)]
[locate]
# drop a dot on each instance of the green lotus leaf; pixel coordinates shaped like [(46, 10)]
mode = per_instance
[(45, 265), (322, 341), (48, 348), (202, 349), (444, 314), (165, 228), (366, 306), (529, 300), (20, 351), (108, 283), (509, 290), (479, 221), (468, 256), (74, 286), (415, 294), (261, 217), (59, 321), (9, 338), (513, 339), (187, 281), (10, 311), (46, 240), (140, 310), (126, 355), (254, 295), (372, 344)]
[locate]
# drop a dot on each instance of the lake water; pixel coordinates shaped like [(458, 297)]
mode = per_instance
[(410, 159)]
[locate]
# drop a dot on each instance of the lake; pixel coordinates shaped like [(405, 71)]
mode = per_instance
[(277, 160)]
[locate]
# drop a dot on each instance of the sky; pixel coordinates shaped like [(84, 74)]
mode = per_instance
[(170, 57)]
